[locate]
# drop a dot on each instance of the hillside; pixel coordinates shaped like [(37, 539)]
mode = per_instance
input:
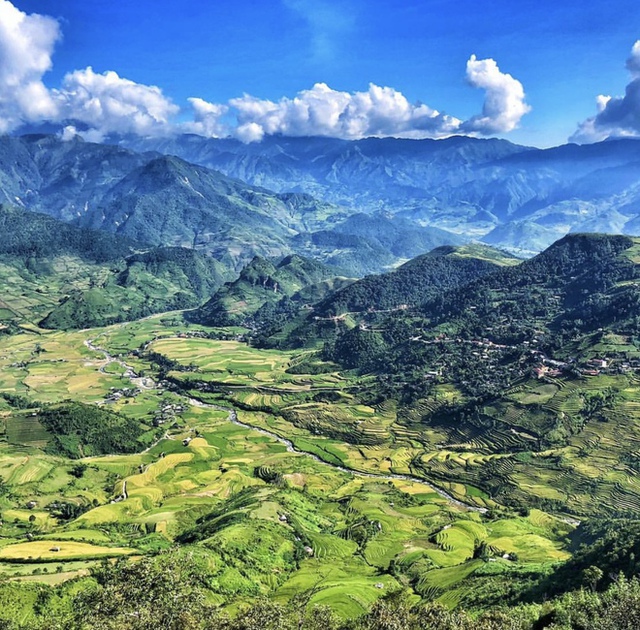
[(531, 368), (416, 281), (370, 300), (162, 200), (260, 283), (61, 276)]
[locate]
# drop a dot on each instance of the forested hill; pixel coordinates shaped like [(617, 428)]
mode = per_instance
[(583, 281), (61, 276), (261, 282), (31, 234), (370, 300), (416, 281)]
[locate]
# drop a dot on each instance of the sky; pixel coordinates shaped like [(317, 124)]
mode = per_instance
[(535, 72)]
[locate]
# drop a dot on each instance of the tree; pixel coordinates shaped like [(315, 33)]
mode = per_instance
[(591, 576)]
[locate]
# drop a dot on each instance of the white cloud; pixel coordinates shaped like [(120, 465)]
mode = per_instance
[(633, 63), (618, 116), (26, 46), (207, 119), (504, 103), (108, 103), (382, 111), (95, 105), (322, 111), (104, 103)]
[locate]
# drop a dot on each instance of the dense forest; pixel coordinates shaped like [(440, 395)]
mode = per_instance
[(80, 430)]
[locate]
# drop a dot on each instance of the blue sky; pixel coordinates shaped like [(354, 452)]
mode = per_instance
[(563, 54)]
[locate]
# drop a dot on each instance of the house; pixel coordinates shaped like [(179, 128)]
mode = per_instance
[(540, 371)]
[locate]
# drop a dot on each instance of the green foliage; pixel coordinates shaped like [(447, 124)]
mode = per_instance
[(601, 549), (411, 284), (32, 236), (260, 283), (80, 430)]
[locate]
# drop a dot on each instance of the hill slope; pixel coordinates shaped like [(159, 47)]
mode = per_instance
[(261, 282), (462, 184), (165, 201), (62, 276)]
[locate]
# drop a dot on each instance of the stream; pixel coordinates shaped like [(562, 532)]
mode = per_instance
[(147, 383)]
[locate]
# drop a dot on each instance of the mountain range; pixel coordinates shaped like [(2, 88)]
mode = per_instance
[(508, 195), (163, 200)]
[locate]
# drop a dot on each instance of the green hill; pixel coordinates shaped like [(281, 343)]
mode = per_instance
[(260, 283), (371, 299), (416, 281), (533, 366), (61, 276)]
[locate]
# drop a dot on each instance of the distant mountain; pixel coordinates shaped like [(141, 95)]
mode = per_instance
[(165, 201), (261, 282), (60, 276), (366, 243), (470, 186)]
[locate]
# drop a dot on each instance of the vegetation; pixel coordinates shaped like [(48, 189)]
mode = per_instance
[(297, 492), (260, 283), (81, 430), (64, 277)]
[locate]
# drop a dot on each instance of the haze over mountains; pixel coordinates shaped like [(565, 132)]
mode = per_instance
[(361, 206), (508, 195)]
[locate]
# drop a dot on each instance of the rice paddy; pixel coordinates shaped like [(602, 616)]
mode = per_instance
[(199, 478)]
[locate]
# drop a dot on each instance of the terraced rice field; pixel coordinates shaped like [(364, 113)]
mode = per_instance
[(355, 526), (59, 550)]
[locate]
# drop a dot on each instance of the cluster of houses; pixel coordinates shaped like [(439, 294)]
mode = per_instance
[(167, 413), (592, 367), (116, 394)]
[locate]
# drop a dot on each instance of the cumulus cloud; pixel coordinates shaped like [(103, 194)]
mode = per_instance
[(107, 103), (207, 119), (26, 46), (504, 103), (98, 104), (322, 111), (618, 116), (102, 103), (382, 111)]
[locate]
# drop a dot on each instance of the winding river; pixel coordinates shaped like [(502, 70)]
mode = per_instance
[(147, 383)]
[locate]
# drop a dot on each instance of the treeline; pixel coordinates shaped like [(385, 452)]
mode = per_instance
[(31, 235), (412, 284)]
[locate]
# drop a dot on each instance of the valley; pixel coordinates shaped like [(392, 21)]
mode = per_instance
[(354, 514), (454, 435)]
